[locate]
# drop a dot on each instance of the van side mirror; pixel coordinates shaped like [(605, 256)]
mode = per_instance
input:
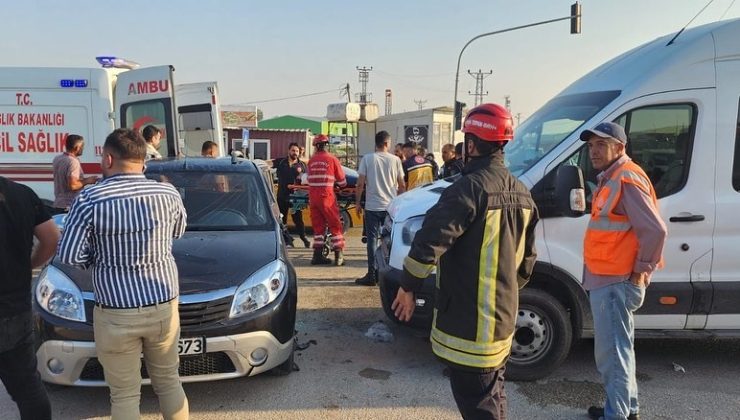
[(570, 194)]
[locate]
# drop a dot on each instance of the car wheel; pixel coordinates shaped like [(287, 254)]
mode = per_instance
[(387, 295), (542, 338), (286, 367)]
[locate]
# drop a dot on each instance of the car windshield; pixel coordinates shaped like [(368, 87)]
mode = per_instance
[(221, 200), (550, 125)]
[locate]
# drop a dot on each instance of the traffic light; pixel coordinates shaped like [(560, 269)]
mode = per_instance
[(458, 114), (575, 19)]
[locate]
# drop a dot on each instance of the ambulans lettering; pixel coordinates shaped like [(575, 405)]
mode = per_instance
[(51, 119), (148, 87), (22, 98), (41, 142), (33, 132)]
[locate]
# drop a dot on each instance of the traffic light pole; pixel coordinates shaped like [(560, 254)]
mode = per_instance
[(455, 117)]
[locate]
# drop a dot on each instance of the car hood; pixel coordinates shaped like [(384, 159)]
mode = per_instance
[(417, 201), (208, 260)]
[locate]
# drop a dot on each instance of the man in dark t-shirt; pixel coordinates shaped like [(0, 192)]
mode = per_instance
[(289, 171), (22, 216)]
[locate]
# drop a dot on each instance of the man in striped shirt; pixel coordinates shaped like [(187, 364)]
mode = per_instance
[(123, 227)]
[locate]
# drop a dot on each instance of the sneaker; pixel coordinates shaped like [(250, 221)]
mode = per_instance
[(366, 280), (338, 258), (598, 413), (306, 242)]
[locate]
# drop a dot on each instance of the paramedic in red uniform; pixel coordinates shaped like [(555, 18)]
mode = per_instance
[(324, 170)]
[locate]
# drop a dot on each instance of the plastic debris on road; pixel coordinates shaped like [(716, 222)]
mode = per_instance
[(379, 332), (678, 368)]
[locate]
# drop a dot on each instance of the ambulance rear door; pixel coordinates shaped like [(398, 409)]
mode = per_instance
[(146, 97), (199, 116)]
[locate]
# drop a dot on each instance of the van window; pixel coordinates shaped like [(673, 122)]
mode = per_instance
[(549, 126), (736, 160), (137, 115), (661, 139)]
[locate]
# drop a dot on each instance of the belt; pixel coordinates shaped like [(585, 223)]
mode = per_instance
[(104, 306)]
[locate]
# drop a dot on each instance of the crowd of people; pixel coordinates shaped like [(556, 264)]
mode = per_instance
[(479, 236)]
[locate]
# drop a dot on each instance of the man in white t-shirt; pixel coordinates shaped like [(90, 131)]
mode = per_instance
[(381, 177)]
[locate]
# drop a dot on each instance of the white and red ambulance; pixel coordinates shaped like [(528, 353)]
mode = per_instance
[(41, 106)]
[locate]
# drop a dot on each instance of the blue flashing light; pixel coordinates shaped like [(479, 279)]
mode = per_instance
[(81, 83), (116, 62), (67, 83)]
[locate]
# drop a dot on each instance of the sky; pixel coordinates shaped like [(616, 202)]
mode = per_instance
[(267, 50)]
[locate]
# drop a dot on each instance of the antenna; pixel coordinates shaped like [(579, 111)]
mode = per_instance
[(692, 19)]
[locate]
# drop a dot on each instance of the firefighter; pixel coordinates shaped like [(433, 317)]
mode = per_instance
[(324, 171), (481, 233)]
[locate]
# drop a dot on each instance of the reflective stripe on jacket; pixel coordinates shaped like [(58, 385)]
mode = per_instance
[(324, 170), (482, 233), (611, 245)]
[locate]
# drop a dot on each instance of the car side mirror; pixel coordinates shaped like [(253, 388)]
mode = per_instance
[(570, 194)]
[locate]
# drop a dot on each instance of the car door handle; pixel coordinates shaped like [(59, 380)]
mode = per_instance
[(689, 218)]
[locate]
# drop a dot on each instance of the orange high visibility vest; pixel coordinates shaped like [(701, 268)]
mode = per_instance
[(611, 246)]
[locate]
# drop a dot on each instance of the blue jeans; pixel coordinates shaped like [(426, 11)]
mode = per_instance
[(612, 307), (373, 222)]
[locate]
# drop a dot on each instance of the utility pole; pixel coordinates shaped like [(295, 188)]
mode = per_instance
[(364, 78), (420, 103), (575, 28), (507, 103), (388, 102), (479, 76), (518, 116)]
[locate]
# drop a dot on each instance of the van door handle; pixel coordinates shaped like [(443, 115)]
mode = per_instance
[(689, 218)]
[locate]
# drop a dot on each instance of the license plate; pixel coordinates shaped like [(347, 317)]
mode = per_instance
[(194, 345)]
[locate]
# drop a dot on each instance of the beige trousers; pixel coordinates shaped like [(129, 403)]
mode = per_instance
[(121, 336)]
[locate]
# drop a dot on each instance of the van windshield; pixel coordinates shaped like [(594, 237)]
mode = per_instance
[(550, 125)]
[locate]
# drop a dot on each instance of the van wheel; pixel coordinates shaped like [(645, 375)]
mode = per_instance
[(542, 338)]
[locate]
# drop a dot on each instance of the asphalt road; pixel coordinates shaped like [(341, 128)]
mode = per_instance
[(344, 375)]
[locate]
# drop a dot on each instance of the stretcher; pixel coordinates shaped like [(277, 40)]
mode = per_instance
[(299, 197)]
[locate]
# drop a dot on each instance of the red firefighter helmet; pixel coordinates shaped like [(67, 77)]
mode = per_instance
[(489, 122), (321, 138)]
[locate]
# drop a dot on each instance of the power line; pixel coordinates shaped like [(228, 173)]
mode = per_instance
[(727, 10), (262, 101), (415, 76)]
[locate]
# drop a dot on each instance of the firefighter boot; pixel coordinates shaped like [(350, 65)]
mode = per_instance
[(338, 257), (319, 258)]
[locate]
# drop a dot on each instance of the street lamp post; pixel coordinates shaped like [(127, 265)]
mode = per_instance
[(575, 18)]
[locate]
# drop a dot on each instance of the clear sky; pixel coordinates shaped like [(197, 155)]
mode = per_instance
[(276, 48)]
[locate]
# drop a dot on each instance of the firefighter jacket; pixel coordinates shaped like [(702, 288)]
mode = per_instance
[(610, 247), (482, 233)]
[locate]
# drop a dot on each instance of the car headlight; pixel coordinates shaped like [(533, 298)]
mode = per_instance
[(261, 288), (409, 229), (59, 296)]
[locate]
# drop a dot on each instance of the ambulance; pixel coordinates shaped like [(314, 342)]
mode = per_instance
[(41, 106)]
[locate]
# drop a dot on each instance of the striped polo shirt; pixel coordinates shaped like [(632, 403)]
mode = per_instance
[(124, 227)]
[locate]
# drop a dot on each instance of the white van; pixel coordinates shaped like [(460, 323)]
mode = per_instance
[(678, 102), (40, 106)]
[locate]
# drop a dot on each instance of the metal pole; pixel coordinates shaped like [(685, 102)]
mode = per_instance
[(459, 57)]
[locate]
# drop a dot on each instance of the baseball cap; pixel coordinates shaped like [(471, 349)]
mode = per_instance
[(606, 130)]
